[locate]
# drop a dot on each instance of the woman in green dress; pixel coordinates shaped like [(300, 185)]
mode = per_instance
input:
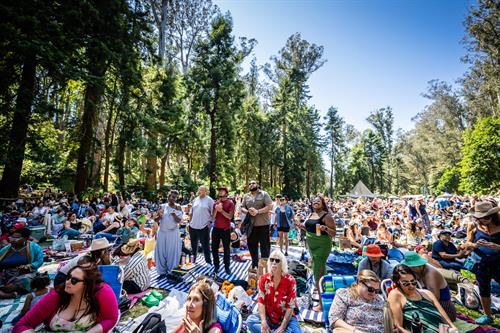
[(407, 302), (320, 228)]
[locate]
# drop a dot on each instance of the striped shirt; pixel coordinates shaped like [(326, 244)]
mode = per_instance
[(136, 270)]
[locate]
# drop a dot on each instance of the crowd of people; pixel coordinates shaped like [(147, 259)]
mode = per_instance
[(418, 244)]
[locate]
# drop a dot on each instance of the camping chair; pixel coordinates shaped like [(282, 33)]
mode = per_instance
[(113, 275), (228, 315), (328, 284)]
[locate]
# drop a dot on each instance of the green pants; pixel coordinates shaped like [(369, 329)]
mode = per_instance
[(319, 248)]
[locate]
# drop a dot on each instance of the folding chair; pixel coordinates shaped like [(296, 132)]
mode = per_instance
[(228, 315), (328, 284), (113, 275)]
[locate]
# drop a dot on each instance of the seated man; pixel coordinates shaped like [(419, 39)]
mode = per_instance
[(375, 263), (277, 299), (446, 253)]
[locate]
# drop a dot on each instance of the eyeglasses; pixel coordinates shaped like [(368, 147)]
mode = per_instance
[(276, 260), (73, 280), (371, 289), (407, 283)]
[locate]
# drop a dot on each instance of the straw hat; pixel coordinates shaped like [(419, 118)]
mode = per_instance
[(99, 244), (131, 246), (484, 208)]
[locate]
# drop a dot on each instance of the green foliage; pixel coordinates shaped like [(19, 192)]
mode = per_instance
[(480, 165), (449, 181)]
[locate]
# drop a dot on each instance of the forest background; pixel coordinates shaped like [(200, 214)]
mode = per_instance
[(130, 95)]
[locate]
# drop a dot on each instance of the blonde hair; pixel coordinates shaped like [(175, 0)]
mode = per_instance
[(365, 275), (209, 309), (278, 255)]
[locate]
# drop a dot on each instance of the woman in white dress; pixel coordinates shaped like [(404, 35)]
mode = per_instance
[(168, 239)]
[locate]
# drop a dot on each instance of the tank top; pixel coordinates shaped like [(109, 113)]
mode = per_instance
[(310, 224), (427, 312), (484, 252)]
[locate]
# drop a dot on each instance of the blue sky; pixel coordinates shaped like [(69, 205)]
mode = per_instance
[(379, 52)]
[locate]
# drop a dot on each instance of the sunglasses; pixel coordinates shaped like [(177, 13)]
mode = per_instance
[(73, 280), (317, 203), (407, 283), (276, 260), (371, 289)]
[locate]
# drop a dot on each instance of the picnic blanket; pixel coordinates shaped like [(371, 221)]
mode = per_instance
[(9, 309)]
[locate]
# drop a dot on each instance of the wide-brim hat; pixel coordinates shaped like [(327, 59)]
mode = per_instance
[(373, 250), (484, 208), (99, 244), (131, 246), (413, 259), (118, 218)]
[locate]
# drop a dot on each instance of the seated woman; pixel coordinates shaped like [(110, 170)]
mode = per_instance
[(86, 304), (383, 235), (110, 233), (129, 230), (71, 227), (136, 272), (431, 279), (353, 234), (201, 313), (277, 299), (19, 261), (407, 300), (359, 308)]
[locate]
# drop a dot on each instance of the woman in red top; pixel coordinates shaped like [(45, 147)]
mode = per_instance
[(277, 299)]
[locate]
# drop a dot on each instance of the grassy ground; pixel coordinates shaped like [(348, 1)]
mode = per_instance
[(474, 314)]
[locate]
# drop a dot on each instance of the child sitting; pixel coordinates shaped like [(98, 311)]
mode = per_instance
[(40, 286)]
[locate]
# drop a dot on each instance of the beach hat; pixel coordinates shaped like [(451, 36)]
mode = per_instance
[(373, 250), (484, 208), (412, 259), (131, 246), (99, 244), (118, 218)]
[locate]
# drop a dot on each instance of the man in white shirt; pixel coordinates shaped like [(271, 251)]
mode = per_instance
[(200, 217)]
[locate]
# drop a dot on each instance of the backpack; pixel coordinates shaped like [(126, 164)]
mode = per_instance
[(153, 323)]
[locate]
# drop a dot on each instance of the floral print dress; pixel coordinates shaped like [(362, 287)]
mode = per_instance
[(277, 299), (59, 324), (365, 316)]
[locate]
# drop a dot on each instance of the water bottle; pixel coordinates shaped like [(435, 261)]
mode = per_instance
[(416, 324)]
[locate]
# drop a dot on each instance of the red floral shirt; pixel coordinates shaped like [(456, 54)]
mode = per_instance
[(277, 300)]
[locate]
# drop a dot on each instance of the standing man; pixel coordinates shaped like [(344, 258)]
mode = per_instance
[(223, 213), (258, 203), (200, 217)]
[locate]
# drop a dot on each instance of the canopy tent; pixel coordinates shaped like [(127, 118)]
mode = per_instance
[(360, 190)]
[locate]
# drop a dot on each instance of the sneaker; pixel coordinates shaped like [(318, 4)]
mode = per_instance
[(484, 320)]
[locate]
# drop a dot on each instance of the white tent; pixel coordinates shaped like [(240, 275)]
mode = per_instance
[(360, 190)]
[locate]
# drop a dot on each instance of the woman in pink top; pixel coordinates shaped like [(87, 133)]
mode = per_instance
[(86, 304)]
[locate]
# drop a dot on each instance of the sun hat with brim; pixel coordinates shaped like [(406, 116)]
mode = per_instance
[(99, 244), (131, 246), (483, 209), (373, 250), (412, 259)]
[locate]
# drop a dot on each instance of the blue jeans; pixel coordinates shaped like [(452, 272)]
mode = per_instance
[(71, 233), (455, 265), (110, 237), (253, 324)]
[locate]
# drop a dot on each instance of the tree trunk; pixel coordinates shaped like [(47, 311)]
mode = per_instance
[(331, 170), (151, 168), (120, 162), (308, 179), (93, 94), (96, 160), (11, 178), (108, 138), (163, 163), (163, 29), (212, 163)]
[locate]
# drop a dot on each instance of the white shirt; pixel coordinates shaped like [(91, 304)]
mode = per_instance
[(201, 212)]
